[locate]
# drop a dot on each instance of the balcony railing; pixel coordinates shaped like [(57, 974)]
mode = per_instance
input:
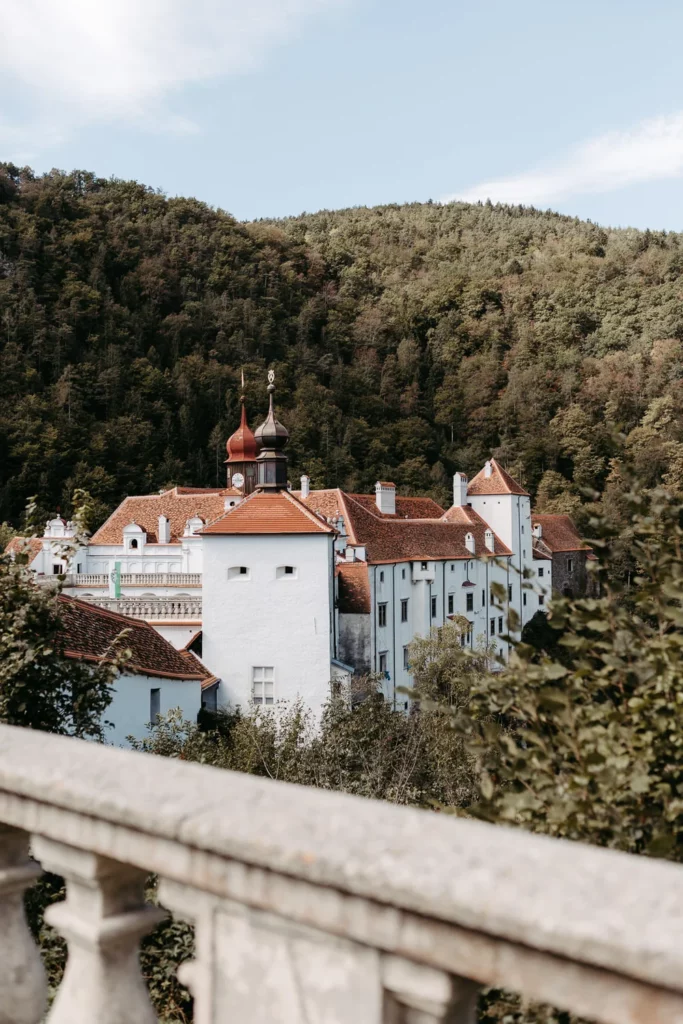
[(128, 579), (149, 609), (314, 906)]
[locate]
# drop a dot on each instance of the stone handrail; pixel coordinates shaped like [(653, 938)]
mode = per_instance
[(152, 608), (336, 908), (128, 579)]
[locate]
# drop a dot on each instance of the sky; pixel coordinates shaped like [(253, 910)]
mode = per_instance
[(269, 108)]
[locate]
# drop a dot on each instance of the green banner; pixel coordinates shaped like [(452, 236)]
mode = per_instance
[(116, 578)]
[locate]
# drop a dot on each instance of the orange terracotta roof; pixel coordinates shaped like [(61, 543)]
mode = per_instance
[(558, 533), (268, 512), (354, 588), (178, 504), (208, 679), (31, 546), (92, 633), (499, 482), (419, 530)]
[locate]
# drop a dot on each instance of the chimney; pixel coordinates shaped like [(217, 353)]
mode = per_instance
[(537, 531), (459, 489), (305, 486), (164, 531), (350, 554), (469, 543), (489, 541), (488, 469), (385, 496)]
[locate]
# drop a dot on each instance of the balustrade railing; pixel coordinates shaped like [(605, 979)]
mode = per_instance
[(314, 906), (180, 608), (128, 579)]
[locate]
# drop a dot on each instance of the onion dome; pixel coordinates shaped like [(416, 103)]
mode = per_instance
[(271, 435), (242, 446)]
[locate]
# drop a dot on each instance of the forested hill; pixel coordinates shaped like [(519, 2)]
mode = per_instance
[(408, 341)]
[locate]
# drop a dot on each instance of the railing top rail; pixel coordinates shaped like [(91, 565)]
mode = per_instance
[(599, 907)]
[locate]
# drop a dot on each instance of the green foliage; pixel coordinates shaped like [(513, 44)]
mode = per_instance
[(39, 687), (408, 341)]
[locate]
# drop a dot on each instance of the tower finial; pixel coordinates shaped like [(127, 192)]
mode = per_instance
[(242, 378)]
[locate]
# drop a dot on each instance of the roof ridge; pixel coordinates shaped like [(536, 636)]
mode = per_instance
[(313, 516)]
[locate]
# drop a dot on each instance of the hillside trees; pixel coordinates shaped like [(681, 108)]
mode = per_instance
[(408, 341)]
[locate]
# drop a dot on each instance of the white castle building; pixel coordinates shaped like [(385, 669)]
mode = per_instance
[(280, 592)]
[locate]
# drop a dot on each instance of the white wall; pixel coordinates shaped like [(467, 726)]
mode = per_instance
[(129, 710), (176, 635), (261, 620)]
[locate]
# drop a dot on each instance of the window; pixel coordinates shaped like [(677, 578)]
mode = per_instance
[(381, 614), (570, 565), (541, 599), (262, 684), (79, 568), (424, 566), (56, 569), (522, 529), (403, 574), (383, 662), (433, 607), (238, 572), (492, 599), (483, 598), (452, 566), (500, 623), (469, 603), (492, 624), (154, 705), (133, 543), (509, 592), (450, 604), (404, 610), (541, 571), (381, 577), (284, 572), (406, 658), (524, 599)]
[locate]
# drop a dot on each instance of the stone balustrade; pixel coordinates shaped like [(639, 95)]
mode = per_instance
[(172, 609), (128, 579), (312, 906)]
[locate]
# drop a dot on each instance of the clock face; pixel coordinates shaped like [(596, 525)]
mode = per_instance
[(237, 480)]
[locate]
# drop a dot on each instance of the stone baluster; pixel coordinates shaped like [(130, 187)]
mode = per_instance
[(103, 919), (23, 989), (415, 994)]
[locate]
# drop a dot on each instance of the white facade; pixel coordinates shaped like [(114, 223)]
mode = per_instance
[(266, 618), (138, 698)]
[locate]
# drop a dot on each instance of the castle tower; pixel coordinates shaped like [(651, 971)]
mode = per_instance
[(272, 438), (242, 453)]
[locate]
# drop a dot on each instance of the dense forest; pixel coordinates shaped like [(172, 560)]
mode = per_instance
[(408, 341)]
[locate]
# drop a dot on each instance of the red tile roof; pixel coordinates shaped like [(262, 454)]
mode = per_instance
[(354, 588), (499, 482), (429, 532), (268, 512), (30, 546), (178, 504), (93, 634), (558, 533)]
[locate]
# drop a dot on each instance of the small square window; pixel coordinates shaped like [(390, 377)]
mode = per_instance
[(404, 610), (381, 614), (492, 624), (424, 566), (469, 602), (289, 570), (263, 684), (433, 607), (451, 604)]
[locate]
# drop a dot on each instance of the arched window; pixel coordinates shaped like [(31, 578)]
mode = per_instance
[(238, 572), (133, 543), (285, 572)]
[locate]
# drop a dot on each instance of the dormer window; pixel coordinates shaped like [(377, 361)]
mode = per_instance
[(424, 566), (238, 572), (285, 572), (133, 543)]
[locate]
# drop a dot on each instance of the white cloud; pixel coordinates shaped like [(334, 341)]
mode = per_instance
[(651, 151), (80, 61)]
